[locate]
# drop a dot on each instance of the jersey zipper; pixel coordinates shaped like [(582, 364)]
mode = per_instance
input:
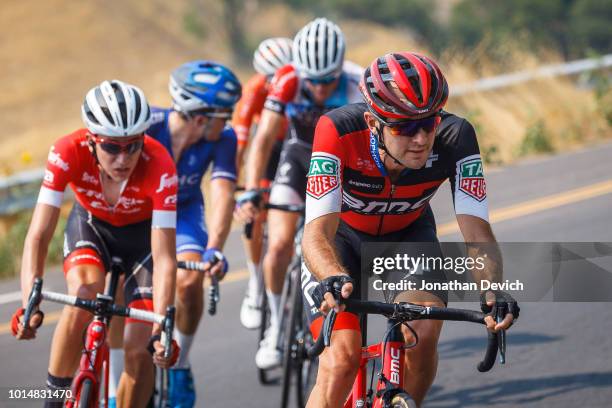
[(382, 217)]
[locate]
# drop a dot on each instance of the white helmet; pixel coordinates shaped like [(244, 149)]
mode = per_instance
[(272, 54), (318, 49), (116, 109)]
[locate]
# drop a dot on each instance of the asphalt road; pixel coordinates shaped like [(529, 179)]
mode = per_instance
[(559, 354)]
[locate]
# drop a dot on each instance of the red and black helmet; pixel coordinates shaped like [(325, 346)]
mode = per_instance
[(404, 85)]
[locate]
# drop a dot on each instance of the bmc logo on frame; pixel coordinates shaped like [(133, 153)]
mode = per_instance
[(323, 175), (471, 178)]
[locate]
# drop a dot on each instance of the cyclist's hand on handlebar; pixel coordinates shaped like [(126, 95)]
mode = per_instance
[(492, 299), (247, 206), (219, 262), (158, 353), (17, 328), (327, 293)]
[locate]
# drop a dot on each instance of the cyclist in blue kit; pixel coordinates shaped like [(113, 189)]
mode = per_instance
[(196, 134)]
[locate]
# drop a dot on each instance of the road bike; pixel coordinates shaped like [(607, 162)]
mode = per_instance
[(391, 349), (89, 388)]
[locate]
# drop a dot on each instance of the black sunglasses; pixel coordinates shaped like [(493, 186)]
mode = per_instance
[(115, 148), (411, 127)]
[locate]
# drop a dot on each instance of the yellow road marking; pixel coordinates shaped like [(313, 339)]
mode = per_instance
[(538, 204), (502, 214)]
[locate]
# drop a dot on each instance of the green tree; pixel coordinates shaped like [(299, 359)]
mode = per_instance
[(591, 26)]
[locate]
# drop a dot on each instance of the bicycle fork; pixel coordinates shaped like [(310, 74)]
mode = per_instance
[(94, 359)]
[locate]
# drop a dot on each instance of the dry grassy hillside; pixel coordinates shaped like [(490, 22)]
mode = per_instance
[(53, 52)]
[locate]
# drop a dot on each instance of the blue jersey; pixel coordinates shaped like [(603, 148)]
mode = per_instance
[(196, 159), (191, 234)]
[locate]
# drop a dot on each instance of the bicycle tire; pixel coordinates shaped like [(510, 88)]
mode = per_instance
[(402, 400), (86, 394), (291, 357)]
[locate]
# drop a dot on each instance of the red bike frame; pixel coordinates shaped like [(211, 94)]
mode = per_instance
[(393, 370), (94, 363)]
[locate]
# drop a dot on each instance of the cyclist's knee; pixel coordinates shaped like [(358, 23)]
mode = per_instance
[(137, 357), (426, 350), (280, 246), (341, 360), (189, 286)]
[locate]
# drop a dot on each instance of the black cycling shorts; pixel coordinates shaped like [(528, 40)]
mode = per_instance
[(291, 176), (88, 240), (348, 242)]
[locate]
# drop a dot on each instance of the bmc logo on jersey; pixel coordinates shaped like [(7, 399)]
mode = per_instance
[(323, 175), (471, 178)]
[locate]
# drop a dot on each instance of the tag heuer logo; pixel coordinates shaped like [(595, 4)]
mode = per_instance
[(471, 179), (323, 175)]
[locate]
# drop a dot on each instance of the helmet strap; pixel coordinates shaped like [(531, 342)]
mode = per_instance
[(92, 149), (383, 147)]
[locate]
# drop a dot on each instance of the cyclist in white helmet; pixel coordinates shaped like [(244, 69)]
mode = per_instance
[(125, 187), (317, 81), (270, 55)]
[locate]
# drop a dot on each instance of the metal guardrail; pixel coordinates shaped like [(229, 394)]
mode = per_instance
[(546, 71), (19, 191)]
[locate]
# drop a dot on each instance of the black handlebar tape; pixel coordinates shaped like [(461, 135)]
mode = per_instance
[(33, 301), (489, 358)]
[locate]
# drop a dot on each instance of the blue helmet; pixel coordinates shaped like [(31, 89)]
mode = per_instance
[(203, 85)]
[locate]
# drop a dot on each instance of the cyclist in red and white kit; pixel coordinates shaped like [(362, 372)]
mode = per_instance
[(125, 186), (317, 81), (373, 170), (270, 55)]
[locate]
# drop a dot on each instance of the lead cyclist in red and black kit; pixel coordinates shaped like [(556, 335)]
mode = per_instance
[(373, 170), (317, 81), (125, 186)]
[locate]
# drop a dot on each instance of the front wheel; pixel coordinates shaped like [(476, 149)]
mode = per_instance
[(86, 395), (402, 400)]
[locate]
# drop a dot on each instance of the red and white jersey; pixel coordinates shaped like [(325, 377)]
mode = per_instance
[(149, 193), (288, 95), (248, 110)]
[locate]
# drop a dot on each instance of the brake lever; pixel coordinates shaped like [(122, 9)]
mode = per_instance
[(499, 317), (328, 326)]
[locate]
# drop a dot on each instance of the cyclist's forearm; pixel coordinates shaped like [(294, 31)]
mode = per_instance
[(319, 253), (36, 246), (163, 249), (261, 148), (32, 263), (489, 256), (482, 247), (164, 281), (222, 210)]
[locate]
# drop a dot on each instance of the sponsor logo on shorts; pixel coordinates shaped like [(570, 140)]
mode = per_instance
[(49, 176), (84, 243), (142, 291), (471, 178), (323, 175), (81, 257)]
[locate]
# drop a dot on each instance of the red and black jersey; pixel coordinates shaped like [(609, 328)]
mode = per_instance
[(149, 193), (347, 175)]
